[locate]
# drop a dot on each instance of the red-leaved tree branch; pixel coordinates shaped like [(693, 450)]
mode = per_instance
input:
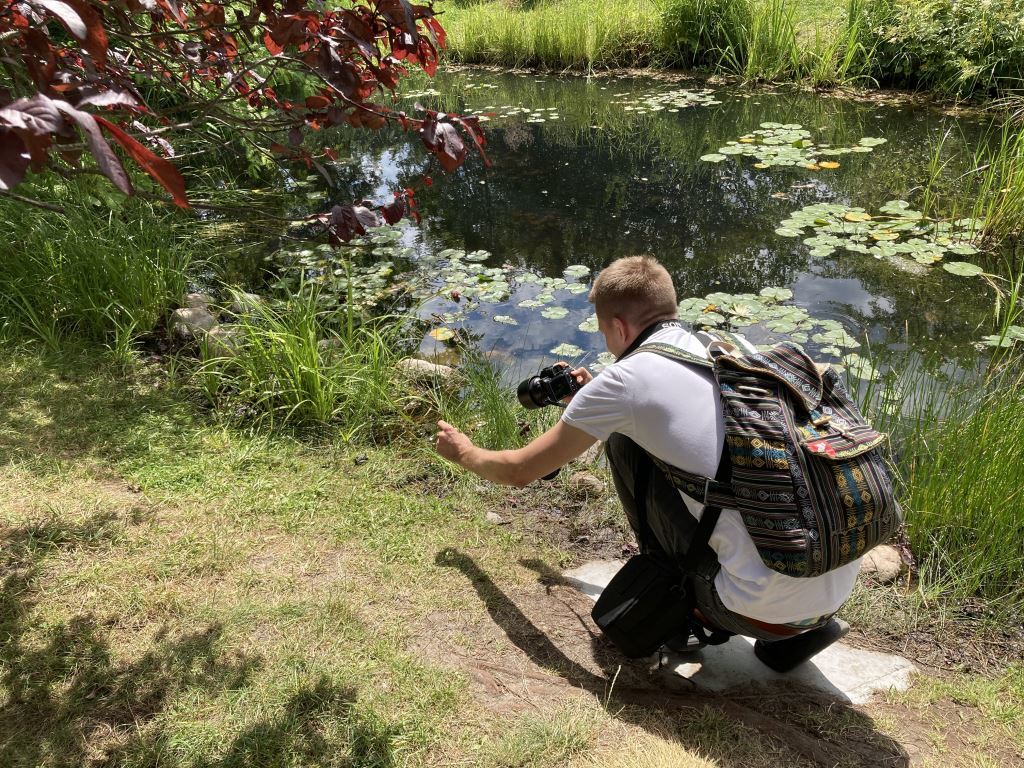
[(81, 77)]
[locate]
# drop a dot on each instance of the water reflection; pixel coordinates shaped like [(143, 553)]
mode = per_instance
[(604, 181)]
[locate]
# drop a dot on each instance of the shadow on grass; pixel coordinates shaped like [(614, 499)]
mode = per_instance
[(856, 741), (69, 698), (71, 406), (302, 735)]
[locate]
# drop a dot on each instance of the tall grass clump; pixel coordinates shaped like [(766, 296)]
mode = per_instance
[(1000, 192), (555, 34), (486, 404), (294, 364), (696, 32), (958, 48), (991, 191), (965, 496), (102, 270), (958, 450), (771, 43)]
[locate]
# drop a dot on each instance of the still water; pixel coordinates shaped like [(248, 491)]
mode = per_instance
[(585, 170)]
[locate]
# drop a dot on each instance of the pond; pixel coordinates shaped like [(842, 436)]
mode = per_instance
[(781, 214)]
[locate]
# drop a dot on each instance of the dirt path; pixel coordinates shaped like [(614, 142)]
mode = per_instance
[(540, 645)]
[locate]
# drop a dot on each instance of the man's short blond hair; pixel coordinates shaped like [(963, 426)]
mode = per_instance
[(636, 288)]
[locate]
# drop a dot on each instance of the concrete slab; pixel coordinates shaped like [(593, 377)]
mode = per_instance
[(848, 674)]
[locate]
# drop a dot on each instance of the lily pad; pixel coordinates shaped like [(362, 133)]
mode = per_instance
[(505, 320), (997, 341), (442, 333), (860, 367), (577, 270), (781, 326), (963, 268), (567, 350), (777, 294), (589, 325), (554, 313), (786, 145)]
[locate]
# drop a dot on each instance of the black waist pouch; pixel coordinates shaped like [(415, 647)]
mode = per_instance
[(644, 605)]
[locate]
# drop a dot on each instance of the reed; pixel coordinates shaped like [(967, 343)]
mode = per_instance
[(103, 270), (571, 34), (753, 39), (1000, 192), (958, 449), (291, 364)]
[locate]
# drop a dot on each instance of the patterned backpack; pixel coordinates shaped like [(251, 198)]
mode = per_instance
[(806, 473)]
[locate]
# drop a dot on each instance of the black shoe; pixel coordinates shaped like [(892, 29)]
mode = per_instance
[(784, 655), (684, 642)]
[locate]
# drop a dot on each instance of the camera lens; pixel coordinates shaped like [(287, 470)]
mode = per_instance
[(530, 393)]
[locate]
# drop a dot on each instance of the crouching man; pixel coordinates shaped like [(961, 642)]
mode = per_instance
[(647, 405)]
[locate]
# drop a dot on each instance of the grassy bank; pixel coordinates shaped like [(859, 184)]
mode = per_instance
[(955, 49), (179, 593)]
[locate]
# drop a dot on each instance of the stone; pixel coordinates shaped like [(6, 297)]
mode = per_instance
[(189, 322), (425, 371), (245, 303), (841, 671), (587, 484), (197, 300), (592, 454), (883, 564), (494, 517), (223, 341)]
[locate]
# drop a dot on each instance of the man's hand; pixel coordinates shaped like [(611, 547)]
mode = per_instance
[(452, 444), (582, 376)]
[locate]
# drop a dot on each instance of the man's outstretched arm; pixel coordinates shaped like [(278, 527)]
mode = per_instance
[(521, 466)]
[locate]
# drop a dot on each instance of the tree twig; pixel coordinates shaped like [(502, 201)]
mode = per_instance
[(32, 201)]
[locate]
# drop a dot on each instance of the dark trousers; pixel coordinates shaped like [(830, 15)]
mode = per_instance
[(670, 528)]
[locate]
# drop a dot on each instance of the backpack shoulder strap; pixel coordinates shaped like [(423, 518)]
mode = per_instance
[(673, 353), (704, 490)]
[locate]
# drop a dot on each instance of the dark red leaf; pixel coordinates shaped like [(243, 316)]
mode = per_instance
[(348, 221), (162, 171), (65, 14), (271, 44), (38, 115), (295, 136), (39, 59), (95, 41), (317, 102), (393, 212), (444, 141), (107, 161), (14, 159)]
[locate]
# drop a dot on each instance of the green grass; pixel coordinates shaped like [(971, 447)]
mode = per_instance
[(292, 363), (965, 480), (182, 593), (106, 269), (956, 49), (762, 40), (571, 34), (959, 450)]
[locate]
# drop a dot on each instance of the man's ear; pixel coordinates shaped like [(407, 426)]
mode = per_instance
[(622, 328)]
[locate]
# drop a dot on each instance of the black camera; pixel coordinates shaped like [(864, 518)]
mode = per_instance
[(548, 387)]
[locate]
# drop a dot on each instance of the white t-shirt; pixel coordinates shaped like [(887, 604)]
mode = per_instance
[(673, 411)]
